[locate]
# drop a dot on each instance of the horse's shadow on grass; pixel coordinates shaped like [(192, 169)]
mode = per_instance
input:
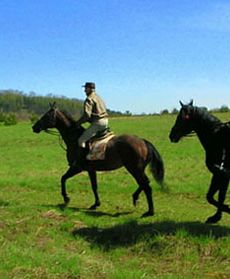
[(93, 213), (128, 234)]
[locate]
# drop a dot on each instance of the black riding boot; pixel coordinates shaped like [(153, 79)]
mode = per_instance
[(224, 167)]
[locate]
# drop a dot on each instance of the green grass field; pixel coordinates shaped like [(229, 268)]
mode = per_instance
[(40, 240)]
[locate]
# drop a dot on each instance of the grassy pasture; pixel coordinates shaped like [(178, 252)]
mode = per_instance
[(40, 240)]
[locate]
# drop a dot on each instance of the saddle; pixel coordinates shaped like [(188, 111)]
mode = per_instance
[(100, 135), (97, 145)]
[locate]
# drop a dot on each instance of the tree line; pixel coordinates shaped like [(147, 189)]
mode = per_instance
[(223, 108), (16, 105)]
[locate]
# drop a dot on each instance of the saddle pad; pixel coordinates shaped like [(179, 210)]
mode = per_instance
[(97, 148)]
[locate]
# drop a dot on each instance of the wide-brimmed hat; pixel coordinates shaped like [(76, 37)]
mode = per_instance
[(90, 85)]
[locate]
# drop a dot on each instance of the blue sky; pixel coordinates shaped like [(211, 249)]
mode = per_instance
[(144, 55)]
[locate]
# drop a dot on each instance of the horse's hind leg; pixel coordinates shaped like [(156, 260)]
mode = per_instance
[(93, 179), (218, 183), (143, 183), (148, 192)]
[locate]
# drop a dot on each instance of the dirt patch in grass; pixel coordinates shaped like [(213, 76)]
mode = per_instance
[(53, 215)]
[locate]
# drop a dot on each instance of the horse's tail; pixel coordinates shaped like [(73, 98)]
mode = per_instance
[(156, 164)]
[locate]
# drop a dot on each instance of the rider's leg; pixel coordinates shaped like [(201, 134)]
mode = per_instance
[(224, 167), (84, 138)]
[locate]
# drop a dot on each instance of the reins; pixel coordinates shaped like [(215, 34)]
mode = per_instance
[(52, 132), (60, 115), (192, 134), (56, 133)]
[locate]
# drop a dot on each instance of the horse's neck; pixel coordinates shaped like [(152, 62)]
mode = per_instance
[(204, 127), (67, 134)]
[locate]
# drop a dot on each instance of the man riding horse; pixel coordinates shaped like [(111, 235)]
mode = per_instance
[(95, 113)]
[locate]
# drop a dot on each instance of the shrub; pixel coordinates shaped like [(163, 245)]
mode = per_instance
[(224, 108), (33, 118), (165, 111), (10, 119), (2, 117)]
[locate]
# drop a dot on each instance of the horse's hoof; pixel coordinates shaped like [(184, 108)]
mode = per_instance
[(213, 219), (62, 206), (147, 214), (210, 221), (66, 200), (135, 200), (93, 207)]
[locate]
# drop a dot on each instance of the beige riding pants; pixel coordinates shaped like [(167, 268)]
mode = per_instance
[(95, 127)]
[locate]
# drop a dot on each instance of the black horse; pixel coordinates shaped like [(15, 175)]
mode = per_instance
[(211, 133), (126, 150)]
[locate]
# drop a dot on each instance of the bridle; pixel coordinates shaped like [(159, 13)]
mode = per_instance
[(58, 113)]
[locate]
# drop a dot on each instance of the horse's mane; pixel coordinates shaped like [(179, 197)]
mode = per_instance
[(68, 119), (65, 115), (206, 117)]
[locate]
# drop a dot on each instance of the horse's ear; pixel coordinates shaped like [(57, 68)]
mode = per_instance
[(191, 103), (53, 105), (182, 105)]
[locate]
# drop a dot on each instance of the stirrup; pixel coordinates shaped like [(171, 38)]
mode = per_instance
[(222, 169)]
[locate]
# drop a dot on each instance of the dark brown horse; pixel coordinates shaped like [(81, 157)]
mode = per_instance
[(126, 150)]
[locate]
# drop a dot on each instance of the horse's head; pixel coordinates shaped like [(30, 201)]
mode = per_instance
[(50, 119), (184, 122)]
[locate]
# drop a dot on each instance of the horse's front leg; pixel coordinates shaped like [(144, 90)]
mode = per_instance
[(70, 173), (93, 180)]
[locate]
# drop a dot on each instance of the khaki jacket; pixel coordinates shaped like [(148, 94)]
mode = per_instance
[(94, 109)]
